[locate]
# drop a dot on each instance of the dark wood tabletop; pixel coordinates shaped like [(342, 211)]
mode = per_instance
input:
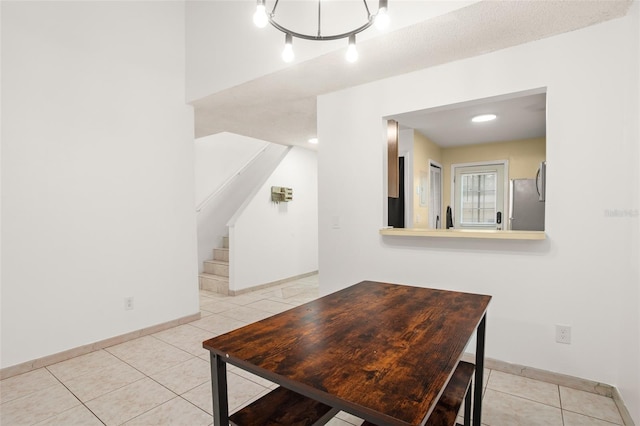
[(383, 352)]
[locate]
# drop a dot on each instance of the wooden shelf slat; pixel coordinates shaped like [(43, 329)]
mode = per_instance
[(283, 407)]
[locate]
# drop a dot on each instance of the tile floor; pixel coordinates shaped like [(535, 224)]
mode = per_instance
[(163, 379)]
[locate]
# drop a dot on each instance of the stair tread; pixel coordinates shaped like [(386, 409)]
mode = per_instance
[(213, 276), (222, 248), (217, 261)]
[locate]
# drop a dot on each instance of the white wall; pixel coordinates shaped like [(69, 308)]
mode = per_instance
[(629, 349), (220, 157), (97, 173), (274, 241), (584, 274)]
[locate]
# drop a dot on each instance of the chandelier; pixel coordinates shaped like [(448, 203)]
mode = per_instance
[(261, 18)]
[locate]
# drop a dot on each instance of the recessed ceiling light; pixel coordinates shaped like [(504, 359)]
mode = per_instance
[(483, 117), (313, 140)]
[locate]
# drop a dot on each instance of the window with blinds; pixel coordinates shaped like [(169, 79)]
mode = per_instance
[(478, 199)]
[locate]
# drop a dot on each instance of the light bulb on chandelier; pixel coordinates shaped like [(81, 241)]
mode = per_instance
[(352, 52), (262, 17), (287, 53), (382, 18)]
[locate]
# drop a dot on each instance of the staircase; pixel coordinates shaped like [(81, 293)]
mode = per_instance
[(215, 276)]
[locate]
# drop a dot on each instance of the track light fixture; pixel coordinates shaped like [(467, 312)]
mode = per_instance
[(262, 17)]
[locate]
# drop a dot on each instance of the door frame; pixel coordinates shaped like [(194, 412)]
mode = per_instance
[(408, 188), (437, 164)]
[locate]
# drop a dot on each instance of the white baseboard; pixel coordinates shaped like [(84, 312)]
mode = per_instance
[(560, 380), (270, 284), (25, 367)]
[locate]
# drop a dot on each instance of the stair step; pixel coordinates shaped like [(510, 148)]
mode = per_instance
[(215, 276), (221, 254), (216, 267), (214, 283)]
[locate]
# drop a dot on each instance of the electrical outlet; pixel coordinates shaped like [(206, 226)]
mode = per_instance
[(128, 303), (563, 334)]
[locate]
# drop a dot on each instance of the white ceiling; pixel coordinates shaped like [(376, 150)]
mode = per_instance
[(281, 107), (519, 116)]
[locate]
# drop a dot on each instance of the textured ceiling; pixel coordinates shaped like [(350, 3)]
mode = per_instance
[(281, 107), (519, 116)]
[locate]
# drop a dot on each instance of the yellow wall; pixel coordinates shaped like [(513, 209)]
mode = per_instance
[(524, 158), (423, 151)]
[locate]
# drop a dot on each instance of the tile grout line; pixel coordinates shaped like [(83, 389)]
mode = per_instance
[(561, 408), (204, 411), (145, 376), (154, 380), (591, 417), (177, 347), (75, 396), (587, 415), (171, 399), (30, 393), (526, 399)]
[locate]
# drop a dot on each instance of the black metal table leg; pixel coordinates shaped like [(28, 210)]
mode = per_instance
[(477, 390), (467, 405), (219, 390)]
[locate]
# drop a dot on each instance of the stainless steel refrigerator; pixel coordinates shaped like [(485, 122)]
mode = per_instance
[(526, 212)]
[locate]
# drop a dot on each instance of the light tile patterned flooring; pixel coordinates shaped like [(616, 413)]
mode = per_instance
[(164, 379)]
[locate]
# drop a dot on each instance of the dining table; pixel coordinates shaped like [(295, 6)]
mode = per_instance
[(383, 352)]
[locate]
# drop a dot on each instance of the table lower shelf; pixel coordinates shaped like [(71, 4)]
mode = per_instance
[(283, 407)]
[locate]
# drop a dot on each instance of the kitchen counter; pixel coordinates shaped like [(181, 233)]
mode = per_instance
[(464, 233)]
